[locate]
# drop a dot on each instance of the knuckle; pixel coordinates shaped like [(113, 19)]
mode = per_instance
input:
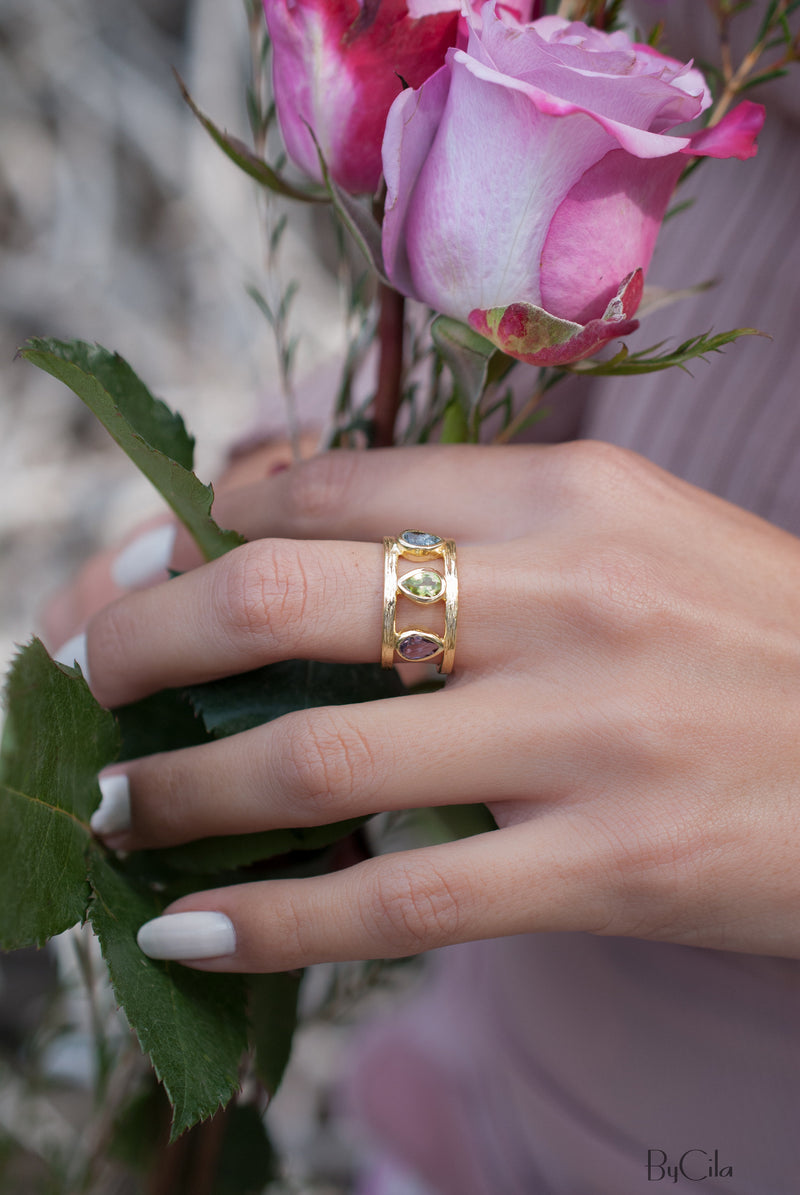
[(652, 875), (262, 588), (111, 630), (293, 930), (600, 473), (316, 486), (416, 908), (611, 591), (324, 760)]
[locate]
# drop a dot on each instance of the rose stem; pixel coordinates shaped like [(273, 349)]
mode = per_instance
[(735, 80), (390, 367), (520, 419)]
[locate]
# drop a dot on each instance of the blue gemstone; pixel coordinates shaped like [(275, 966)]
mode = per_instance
[(420, 539)]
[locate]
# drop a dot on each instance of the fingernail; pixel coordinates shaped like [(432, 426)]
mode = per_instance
[(187, 936), (113, 814), (145, 557), (74, 652)]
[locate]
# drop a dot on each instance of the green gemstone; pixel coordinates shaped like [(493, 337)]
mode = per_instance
[(424, 585)]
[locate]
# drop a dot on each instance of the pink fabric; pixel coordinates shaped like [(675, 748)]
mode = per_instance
[(553, 1063)]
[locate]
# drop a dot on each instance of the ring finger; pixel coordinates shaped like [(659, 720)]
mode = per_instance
[(285, 599)]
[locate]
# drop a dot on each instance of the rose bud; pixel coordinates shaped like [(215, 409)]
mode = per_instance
[(528, 178), (337, 65)]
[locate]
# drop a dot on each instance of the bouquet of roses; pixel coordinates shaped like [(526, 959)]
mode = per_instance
[(504, 170)]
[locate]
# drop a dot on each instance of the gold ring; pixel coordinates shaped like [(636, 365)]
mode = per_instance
[(425, 586)]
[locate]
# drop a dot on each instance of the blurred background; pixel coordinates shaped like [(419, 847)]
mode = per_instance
[(122, 223)]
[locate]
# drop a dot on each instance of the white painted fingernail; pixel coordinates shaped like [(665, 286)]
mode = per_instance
[(113, 814), (187, 936), (145, 557), (74, 652)]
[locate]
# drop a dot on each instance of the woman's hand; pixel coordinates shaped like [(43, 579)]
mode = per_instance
[(626, 699)]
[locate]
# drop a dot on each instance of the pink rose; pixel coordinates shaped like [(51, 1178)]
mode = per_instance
[(520, 10), (337, 66), (528, 178)]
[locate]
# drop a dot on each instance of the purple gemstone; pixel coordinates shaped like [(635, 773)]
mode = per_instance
[(418, 647), (421, 539)]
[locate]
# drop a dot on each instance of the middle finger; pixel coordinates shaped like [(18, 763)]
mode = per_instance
[(314, 767)]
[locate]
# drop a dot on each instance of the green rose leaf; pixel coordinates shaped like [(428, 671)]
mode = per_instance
[(191, 1023), (241, 702), (56, 739), (247, 1159), (273, 1020), (650, 360), (164, 721), (153, 437), (252, 165), (467, 355), (209, 855), (355, 217)]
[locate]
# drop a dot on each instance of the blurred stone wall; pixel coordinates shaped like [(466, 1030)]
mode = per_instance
[(120, 222)]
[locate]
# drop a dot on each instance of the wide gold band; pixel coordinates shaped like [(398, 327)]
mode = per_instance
[(424, 586)]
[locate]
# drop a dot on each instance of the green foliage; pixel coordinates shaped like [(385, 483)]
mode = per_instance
[(163, 722), (247, 1161), (238, 703), (765, 77), (138, 1128), (359, 222), (651, 361), (775, 13), (455, 428), (655, 35), (208, 856), (191, 1023), (677, 208), (607, 14), (55, 740), (273, 1019), (230, 1156), (410, 829), (253, 166), (286, 346), (467, 355), (154, 439)]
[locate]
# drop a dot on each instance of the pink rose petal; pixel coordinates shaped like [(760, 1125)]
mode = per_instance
[(734, 136)]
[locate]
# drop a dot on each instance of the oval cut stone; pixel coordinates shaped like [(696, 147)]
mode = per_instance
[(420, 539), (423, 585), (416, 645)]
